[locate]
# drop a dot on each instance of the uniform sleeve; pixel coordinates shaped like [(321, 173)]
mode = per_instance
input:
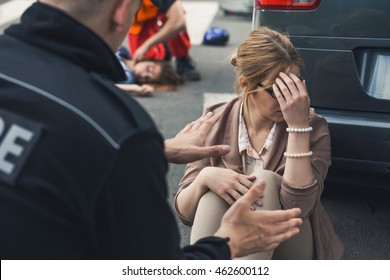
[(136, 220), (209, 248), (134, 217), (306, 198)]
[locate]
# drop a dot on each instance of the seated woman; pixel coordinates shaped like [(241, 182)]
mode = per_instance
[(274, 135), (140, 75)]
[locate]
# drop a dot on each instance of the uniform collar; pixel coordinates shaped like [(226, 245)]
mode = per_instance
[(53, 30)]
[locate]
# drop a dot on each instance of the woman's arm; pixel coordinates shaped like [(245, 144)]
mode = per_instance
[(306, 197), (140, 90), (295, 105), (303, 177)]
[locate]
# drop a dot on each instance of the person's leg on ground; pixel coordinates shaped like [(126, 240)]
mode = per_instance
[(185, 66), (179, 47), (209, 213), (270, 201)]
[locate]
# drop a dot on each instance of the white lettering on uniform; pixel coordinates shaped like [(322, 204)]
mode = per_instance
[(9, 145)]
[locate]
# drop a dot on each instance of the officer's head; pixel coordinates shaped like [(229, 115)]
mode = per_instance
[(110, 19)]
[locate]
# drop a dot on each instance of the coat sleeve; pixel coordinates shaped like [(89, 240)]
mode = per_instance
[(135, 220), (208, 248), (191, 172), (306, 198)]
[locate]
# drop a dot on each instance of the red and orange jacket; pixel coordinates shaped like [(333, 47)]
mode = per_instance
[(149, 10)]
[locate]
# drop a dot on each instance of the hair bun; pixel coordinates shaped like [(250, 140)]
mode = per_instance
[(233, 60)]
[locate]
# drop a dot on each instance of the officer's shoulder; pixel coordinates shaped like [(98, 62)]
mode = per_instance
[(123, 111)]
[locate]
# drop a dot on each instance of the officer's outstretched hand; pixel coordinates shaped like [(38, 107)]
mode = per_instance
[(255, 231), (187, 146)]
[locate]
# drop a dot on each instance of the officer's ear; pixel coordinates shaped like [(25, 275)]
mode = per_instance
[(123, 15)]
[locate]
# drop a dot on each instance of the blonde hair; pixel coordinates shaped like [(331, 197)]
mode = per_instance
[(263, 54)]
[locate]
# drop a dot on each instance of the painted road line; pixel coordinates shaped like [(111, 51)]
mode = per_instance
[(199, 16), (210, 98), (12, 10)]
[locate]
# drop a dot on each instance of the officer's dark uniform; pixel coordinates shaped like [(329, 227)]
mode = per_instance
[(82, 166)]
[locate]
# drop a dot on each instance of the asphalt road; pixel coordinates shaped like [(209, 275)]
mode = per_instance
[(361, 216)]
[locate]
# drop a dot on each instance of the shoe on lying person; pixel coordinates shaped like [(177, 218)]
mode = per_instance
[(185, 67)]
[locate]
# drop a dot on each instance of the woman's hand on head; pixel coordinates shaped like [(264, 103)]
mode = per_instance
[(293, 99), (228, 184)]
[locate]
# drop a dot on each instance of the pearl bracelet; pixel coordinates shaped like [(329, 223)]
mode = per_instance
[(298, 155), (299, 130)]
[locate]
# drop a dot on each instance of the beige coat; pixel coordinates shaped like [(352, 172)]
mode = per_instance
[(326, 243)]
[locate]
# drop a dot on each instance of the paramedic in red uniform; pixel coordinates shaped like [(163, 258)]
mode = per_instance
[(161, 23)]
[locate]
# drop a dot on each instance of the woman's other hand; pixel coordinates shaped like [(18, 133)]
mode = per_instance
[(227, 183)]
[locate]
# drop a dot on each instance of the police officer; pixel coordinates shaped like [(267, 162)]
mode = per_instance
[(82, 166)]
